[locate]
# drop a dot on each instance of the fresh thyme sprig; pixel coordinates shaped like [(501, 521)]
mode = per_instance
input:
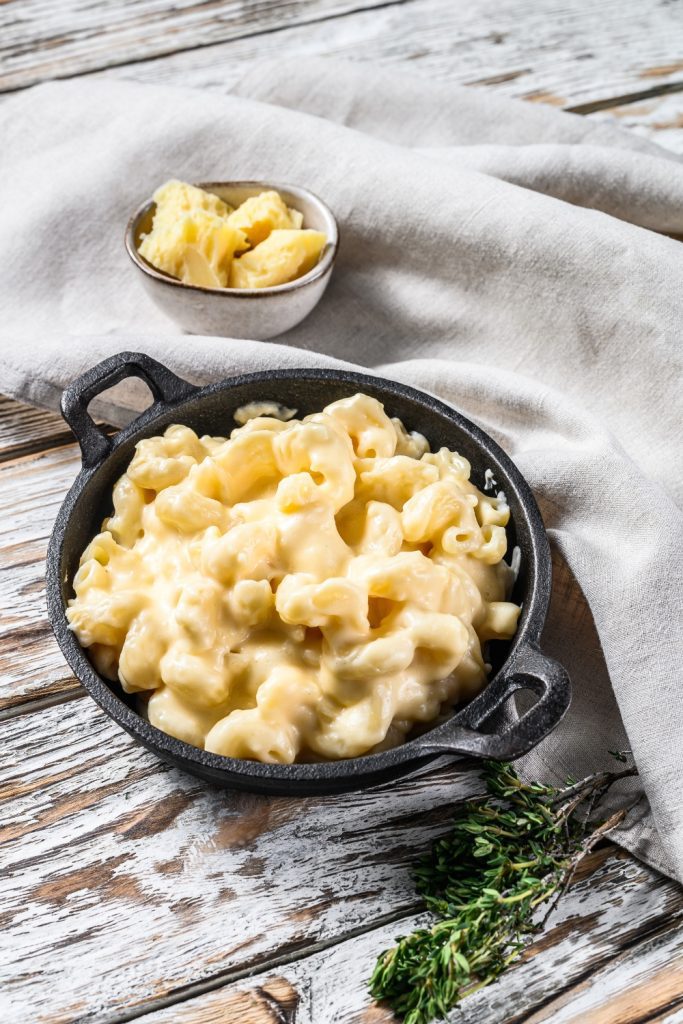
[(508, 852)]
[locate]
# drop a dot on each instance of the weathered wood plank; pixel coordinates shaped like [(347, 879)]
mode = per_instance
[(24, 429), (597, 918), (563, 52), (98, 835), (42, 40), (31, 491), (177, 826), (644, 981), (105, 849), (659, 119), (34, 479), (673, 1016)]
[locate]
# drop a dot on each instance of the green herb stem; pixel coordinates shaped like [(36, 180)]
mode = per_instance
[(508, 853)]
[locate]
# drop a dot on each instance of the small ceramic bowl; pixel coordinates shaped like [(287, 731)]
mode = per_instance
[(256, 313)]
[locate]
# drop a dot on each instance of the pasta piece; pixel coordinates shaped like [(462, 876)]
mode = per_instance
[(500, 622), (246, 552), (154, 466), (427, 514), (450, 465), (371, 431), (413, 444), (493, 545), (190, 511), (492, 511), (264, 412), (141, 654), (393, 480), (249, 463), (199, 681), (317, 448), (353, 730), (125, 525), (180, 718), (407, 576), (245, 734), (251, 602), (338, 607), (382, 533)]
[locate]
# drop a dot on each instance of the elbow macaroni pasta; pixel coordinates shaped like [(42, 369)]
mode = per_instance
[(303, 590)]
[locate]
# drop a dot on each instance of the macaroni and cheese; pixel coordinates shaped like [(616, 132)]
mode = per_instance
[(302, 590)]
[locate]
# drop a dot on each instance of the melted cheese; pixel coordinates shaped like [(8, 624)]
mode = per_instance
[(301, 590)]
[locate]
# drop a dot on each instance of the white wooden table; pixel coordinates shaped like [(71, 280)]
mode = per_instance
[(130, 890)]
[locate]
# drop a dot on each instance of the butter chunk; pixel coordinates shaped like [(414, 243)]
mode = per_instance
[(198, 249), (261, 214), (283, 256), (296, 217), (176, 199)]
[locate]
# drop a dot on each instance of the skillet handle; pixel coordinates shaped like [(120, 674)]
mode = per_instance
[(531, 670), (164, 385)]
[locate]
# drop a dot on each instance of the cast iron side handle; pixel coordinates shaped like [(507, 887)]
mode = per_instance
[(531, 670), (164, 385)]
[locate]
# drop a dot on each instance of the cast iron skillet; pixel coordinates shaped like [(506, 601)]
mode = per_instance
[(519, 665)]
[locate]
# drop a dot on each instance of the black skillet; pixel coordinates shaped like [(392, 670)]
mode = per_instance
[(473, 731)]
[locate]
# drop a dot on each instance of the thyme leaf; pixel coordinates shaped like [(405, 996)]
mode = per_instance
[(507, 854)]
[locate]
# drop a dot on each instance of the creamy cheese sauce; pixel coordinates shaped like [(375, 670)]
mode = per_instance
[(305, 589)]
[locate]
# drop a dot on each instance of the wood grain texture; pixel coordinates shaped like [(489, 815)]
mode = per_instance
[(671, 1016), (659, 119), (104, 848), (125, 883), (41, 39), (69, 812), (593, 924), (24, 429), (31, 490), (96, 832), (562, 52), (643, 981)]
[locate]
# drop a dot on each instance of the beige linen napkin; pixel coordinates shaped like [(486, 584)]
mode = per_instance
[(497, 254)]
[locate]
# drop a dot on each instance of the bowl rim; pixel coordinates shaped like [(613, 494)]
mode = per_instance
[(321, 268), (307, 776)]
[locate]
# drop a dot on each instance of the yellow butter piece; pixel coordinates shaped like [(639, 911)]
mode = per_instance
[(198, 249), (296, 217), (176, 199), (283, 256), (261, 214), (196, 237)]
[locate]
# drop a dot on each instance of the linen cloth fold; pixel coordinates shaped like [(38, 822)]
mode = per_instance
[(498, 254)]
